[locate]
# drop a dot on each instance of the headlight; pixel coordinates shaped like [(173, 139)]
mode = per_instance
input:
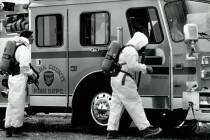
[(204, 99), (205, 74), (205, 60)]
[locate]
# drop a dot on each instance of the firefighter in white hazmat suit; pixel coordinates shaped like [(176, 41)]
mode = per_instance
[(17, 83), (125, 95)]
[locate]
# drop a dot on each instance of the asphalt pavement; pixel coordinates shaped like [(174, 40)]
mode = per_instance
[(58, 127)]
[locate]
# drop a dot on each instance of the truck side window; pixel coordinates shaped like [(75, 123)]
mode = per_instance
[(145, 20), (94, 28), (49, 30)]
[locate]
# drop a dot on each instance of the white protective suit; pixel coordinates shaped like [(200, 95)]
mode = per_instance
[(17, 85), (126, 96)]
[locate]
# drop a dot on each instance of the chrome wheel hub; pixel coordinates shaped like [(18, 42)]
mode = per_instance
[(100, 107)]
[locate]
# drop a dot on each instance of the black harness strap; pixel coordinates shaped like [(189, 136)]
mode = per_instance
[(124, 76), (15, 69), (142, 61)]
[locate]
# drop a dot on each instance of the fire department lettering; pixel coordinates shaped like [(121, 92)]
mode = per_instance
[(51, 79), (48, 91)]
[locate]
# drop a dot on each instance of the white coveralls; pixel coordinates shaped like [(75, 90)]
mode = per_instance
[(17, 86), (126, 96)]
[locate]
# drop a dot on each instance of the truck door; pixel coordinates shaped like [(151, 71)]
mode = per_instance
[(49, 56), (148, 21)]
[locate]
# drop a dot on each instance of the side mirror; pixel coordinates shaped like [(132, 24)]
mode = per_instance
[(191, 32), (191, 38)]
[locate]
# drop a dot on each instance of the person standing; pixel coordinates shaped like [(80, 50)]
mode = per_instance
[(17, 83), (125, 94)]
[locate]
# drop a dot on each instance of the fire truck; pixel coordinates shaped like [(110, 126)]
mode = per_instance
[(72, 38)]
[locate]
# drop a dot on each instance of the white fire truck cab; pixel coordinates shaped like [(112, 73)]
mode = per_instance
[(71, 40)]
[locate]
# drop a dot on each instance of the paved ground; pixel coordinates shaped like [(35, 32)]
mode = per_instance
[(58, 127)]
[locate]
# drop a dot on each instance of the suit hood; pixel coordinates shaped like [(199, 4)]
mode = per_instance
[(138, 40)]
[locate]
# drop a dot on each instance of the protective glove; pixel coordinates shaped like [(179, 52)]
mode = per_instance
[(149, 70), (33, 78)]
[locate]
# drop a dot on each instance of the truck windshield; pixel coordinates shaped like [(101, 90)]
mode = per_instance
[(176, 17)]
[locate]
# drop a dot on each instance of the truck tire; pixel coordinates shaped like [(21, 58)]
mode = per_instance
[(92, 108)]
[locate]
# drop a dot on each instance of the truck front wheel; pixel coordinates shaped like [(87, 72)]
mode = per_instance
[(92, 106)]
